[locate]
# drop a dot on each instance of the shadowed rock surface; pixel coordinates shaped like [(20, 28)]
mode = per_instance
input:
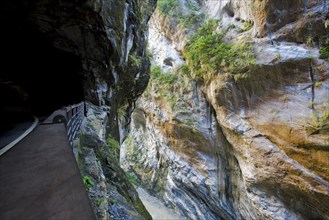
[(62, 52)]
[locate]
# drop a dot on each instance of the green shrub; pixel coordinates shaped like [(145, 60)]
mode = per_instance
[(136, 61), (192, 7), (323, 120), (309, 41), (131, 148), (319, 123), (155, 71), (246, 26), (317, 84), (231, 26), (114, 145), (87, 182), (173, 9), (163, 78), (133, 179), (165, 6), (166, 85), (184, 71), (324, 50), (188, 20), (113, 201), (206, 52), (121, 111)]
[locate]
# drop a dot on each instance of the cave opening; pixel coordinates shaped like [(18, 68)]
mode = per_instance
[(36, 75)]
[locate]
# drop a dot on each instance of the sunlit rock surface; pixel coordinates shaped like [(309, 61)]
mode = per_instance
[(111, 194), (255, 147)]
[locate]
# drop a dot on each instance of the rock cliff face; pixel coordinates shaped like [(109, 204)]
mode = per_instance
[(228, 144), (110, 39), (106, 42)]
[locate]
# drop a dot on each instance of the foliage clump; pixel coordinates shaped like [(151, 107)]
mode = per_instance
[(190, 19), (114, 145), (166, 78), (174, 10), (165, 84), (87, 182), (246, 26), (324, 50), (133, 179), (207, 52), (320, 122), (165, 6), (169, 85)]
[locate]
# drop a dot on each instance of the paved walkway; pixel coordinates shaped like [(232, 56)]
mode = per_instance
[(40, 180)]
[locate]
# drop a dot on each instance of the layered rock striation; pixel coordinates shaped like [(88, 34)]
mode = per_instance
[(236, 141)]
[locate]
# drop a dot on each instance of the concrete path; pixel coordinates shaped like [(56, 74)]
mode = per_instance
[(39, 179)]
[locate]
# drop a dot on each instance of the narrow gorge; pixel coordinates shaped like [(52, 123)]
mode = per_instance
[(234, 122), (208, 109)]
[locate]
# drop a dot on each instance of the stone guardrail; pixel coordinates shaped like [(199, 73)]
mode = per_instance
[(71, 116)]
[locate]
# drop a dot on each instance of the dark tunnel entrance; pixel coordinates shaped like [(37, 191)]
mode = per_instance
[(36, 75)]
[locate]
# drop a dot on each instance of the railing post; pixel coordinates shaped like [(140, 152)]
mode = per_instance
[(71, 116)]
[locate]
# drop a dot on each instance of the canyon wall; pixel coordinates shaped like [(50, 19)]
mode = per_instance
[(247, 140), (103, 45)]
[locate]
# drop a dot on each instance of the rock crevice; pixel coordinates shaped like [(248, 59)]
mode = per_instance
[(237, 145)]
